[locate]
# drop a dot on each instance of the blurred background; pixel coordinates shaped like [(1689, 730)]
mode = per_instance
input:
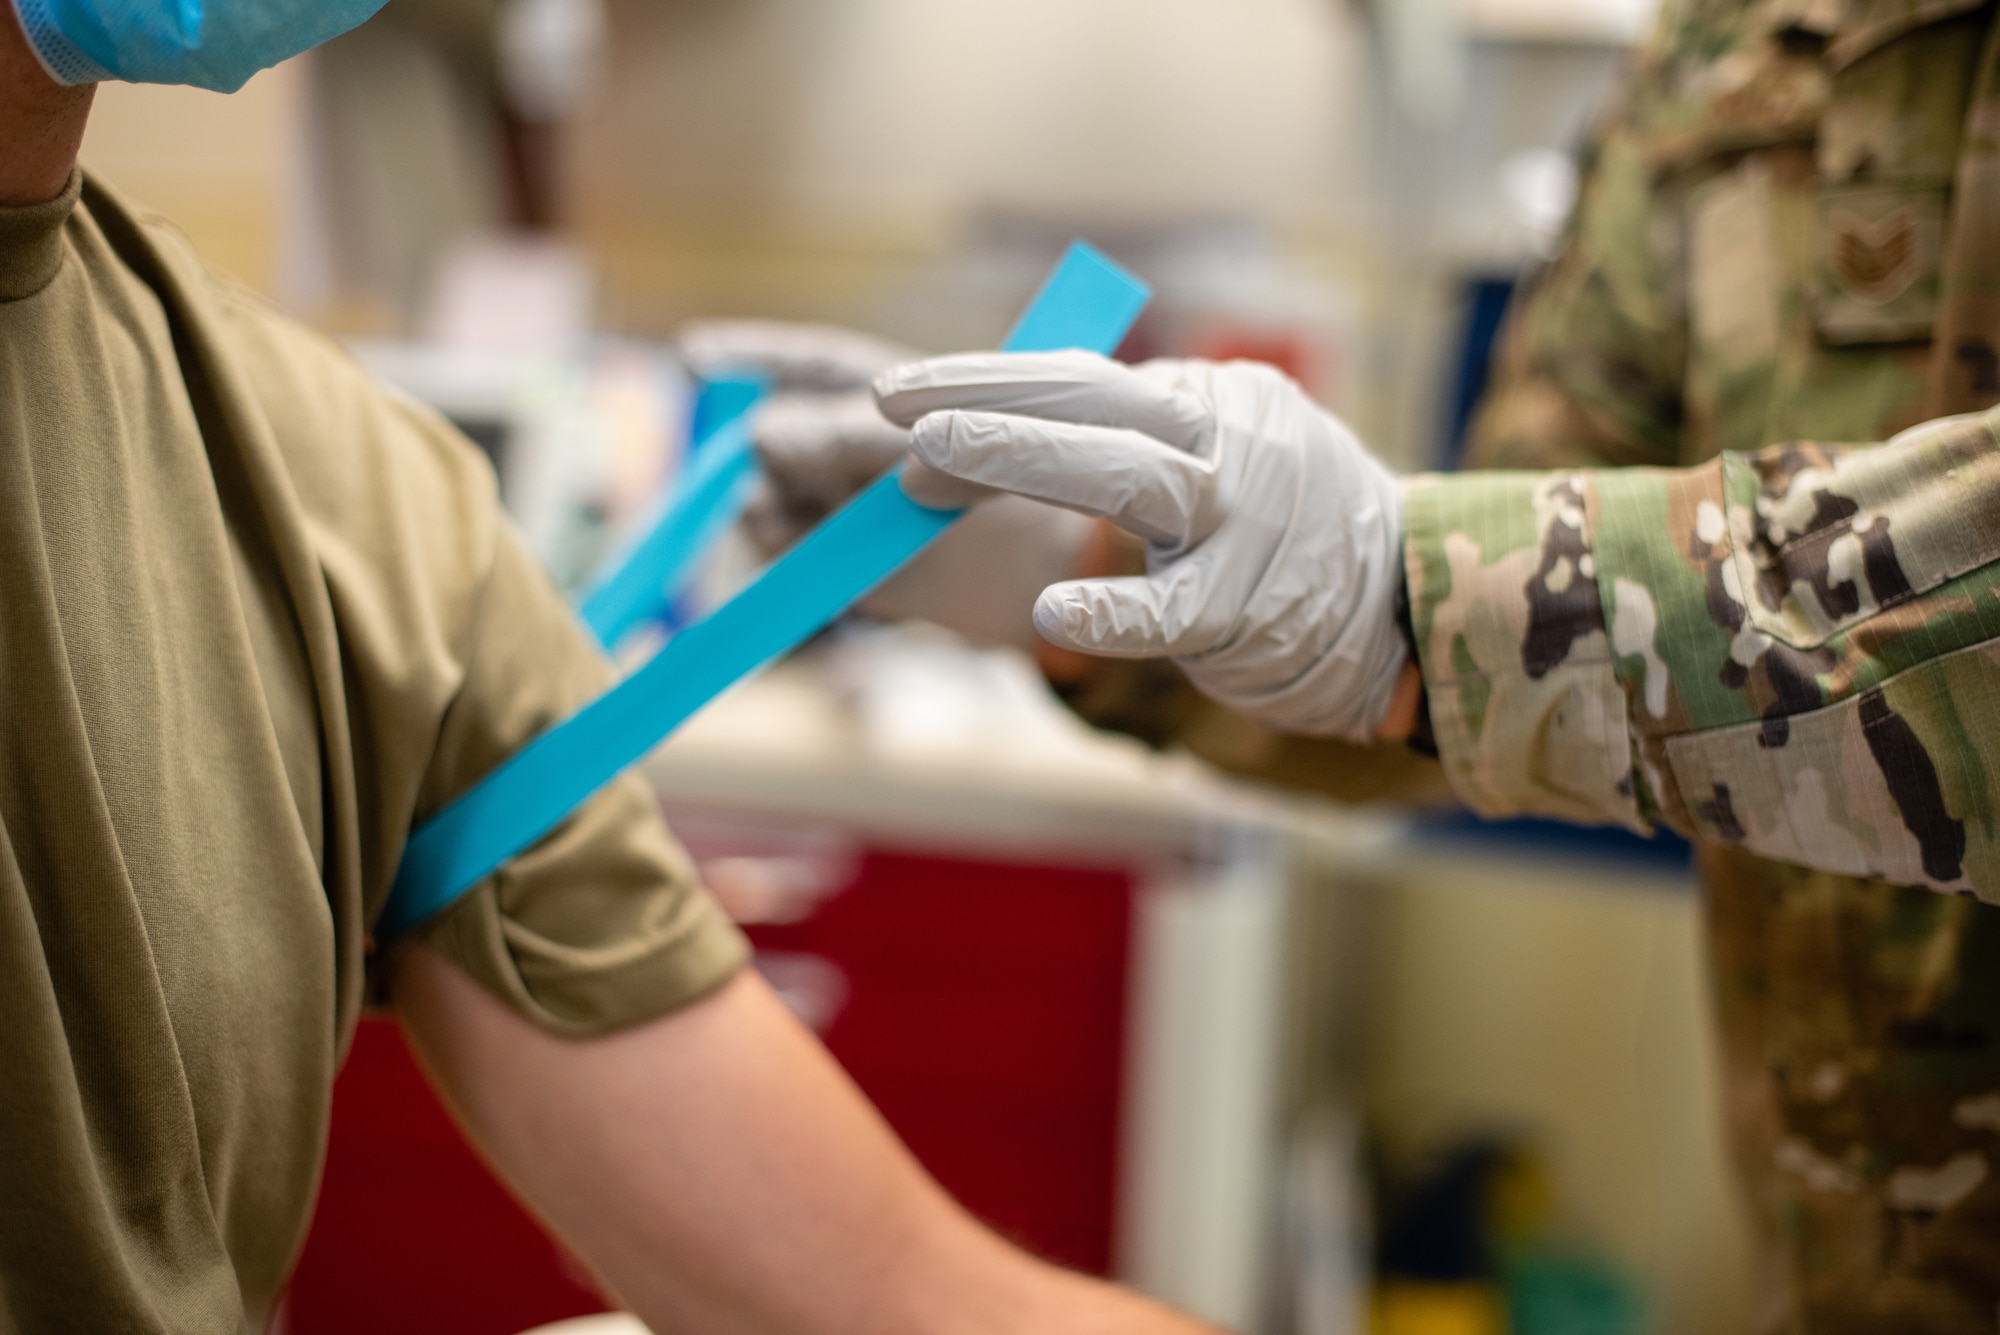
[(1299, 1067)]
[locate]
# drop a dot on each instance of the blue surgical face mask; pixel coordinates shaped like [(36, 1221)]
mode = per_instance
[(214, 44)]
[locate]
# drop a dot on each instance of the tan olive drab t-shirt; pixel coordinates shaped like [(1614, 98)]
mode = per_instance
[(257, 617)]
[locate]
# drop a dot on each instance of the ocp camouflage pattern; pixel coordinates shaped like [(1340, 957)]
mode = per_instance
[(1762, 628), (1792, 651)]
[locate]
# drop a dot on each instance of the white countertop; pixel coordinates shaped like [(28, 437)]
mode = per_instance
[(914, 739)]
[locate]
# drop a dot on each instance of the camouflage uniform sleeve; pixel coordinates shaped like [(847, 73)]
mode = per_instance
[(1793, 652)]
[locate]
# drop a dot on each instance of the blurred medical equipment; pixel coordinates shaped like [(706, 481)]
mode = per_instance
[(584, 431), (1273, 537), (550, 55), (583, 435), (436, 126), (518, 292)]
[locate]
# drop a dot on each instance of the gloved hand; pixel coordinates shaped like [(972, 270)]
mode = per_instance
[(1274, 540), (819, 439)]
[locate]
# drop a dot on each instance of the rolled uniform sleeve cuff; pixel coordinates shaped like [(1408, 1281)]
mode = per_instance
[(1525, 700)]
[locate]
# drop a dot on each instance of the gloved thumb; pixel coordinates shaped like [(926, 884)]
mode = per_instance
[(1123, 617)]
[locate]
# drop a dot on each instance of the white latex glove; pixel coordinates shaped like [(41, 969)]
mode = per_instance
[(820, 438), (1273, 538)]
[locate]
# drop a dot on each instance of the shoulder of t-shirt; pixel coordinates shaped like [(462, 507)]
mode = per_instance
[(391, 494)]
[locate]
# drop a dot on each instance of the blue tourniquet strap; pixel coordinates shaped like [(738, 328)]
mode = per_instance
[(704, 501), (1088, 303)]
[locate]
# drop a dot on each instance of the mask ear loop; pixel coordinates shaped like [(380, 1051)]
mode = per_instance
[(61, 58)]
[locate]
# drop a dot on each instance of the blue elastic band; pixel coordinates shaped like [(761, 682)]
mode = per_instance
[(1088, 303), (640, 584)]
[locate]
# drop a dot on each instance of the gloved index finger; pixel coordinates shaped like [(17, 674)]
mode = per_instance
[(1076, 387), (1138, 483)]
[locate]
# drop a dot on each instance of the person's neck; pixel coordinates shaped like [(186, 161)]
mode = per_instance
[(41, 122)]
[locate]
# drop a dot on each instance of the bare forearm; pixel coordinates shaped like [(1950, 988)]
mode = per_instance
[(721, 1173)]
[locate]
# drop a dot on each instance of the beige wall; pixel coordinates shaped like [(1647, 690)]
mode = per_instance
[(893, 111), (794, 156), (218, 166)]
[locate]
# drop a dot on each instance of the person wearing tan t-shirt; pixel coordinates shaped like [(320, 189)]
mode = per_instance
[(257, 619)]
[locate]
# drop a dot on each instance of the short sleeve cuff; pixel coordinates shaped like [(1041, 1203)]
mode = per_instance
[(600, 927)]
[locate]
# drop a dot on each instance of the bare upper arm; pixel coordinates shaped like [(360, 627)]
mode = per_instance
[(720, 1172)]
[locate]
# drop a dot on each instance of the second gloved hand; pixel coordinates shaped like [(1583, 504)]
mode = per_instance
[(1274, 539), (819, 439)]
